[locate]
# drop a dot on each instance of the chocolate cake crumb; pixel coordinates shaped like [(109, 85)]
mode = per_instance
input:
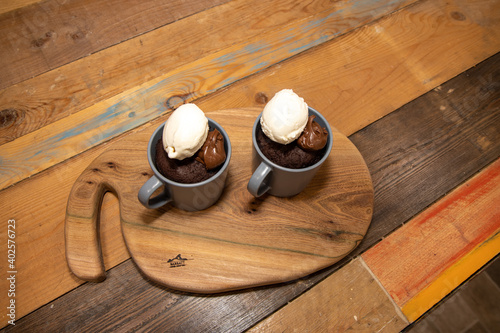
[(186, 171), (289, 156)]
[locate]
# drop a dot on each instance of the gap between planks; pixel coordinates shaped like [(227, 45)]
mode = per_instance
[(214, 100), (450, 248), (349, 299), (57, 143), (318, 308), (51, 33), (40, 97), (426, 102)]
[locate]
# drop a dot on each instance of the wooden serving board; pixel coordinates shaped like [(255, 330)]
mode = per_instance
[(241, 241)]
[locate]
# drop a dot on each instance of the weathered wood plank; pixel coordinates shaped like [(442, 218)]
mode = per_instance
[(453, 239), (46, 98), (471, 155), (382, 66), (348, 300), (458, 122), (8, 5), (48, 273), (366, 104), (440, 136), (102, 121), (483, 297), (473, 305), (51, 33), (452, 277)]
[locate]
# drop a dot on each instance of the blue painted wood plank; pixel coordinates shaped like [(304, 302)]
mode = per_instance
[(101, 122)]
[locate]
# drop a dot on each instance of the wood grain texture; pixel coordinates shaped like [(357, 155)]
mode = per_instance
[(440, 138), (256, 241), (383, 65), (451, 278), (59, 93), (493, 271), (52, 33), (420, 182), (472, 307), (8, 5), (443, 235), (483, 299), (42, 231), (348, 300), (453, 159), (134, 107), (356, 96)]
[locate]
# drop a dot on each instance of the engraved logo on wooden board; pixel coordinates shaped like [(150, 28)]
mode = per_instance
[(178, 261)]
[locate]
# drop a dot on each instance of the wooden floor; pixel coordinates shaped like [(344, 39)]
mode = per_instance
[(413, 84), (473, 308)]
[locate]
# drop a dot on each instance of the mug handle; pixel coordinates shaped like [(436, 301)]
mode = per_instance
[(257, 184), (148, 189)]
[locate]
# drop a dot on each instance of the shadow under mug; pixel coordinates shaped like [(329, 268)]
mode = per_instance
[(277, 180), (189, 197)]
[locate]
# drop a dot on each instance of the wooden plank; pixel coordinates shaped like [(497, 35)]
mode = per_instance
[(349, 299), (363, 100), (482, 100), (493, 270), (475, 154), (454, 313), (44, 225), (452, 277), (450, 248), (51, 33), (102, 121), (396, 260), (131, 291), (381, 66), (359, 284), (8, 5), (450, 143), (483, 294), (458, 122), (62, 92)]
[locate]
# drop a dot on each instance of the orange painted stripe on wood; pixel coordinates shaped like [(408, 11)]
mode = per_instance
[(420, 252), (452, 278)]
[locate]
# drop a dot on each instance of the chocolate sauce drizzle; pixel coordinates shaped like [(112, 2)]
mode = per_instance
[(212, 153), (314, 137)]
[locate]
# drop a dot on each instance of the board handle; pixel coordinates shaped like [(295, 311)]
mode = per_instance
[(83, 247)]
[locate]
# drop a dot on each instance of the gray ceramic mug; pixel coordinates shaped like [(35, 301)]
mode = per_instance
[(277, 180), (190, 197)]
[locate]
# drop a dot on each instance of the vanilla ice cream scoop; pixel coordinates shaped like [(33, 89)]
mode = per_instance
[(185, 131), (284, 117)]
